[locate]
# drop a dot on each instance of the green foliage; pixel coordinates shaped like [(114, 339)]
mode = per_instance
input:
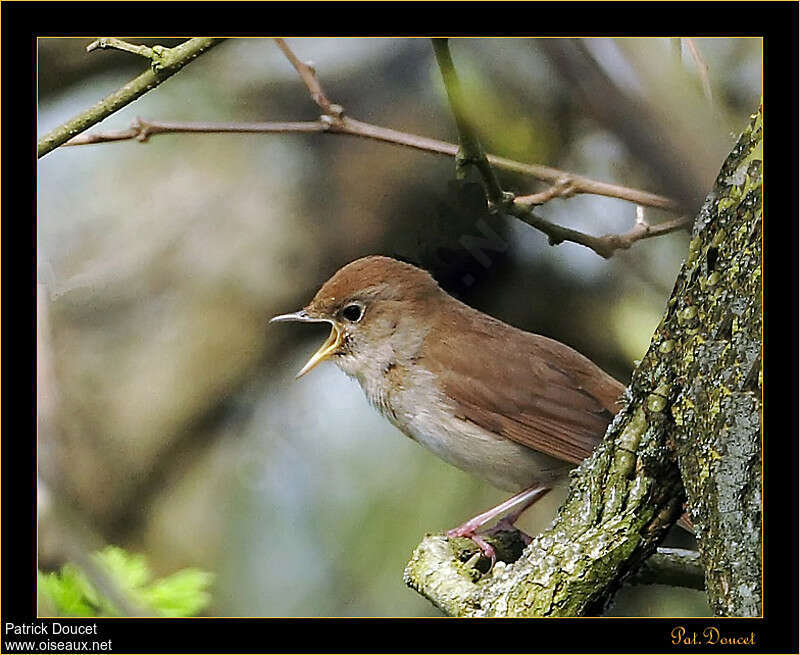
[(72, 594)]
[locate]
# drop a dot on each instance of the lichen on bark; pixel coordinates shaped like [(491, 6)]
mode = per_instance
[(693, 397), (718, 409)]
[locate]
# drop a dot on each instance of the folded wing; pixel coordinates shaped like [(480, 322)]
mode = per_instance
[(522, 386)]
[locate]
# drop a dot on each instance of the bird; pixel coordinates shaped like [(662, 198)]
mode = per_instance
[(517, 409)]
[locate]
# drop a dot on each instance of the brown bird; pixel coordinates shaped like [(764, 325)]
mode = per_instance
[(517, 409)]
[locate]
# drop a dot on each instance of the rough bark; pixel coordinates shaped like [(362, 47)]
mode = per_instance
[(718, 409), (695, 393)]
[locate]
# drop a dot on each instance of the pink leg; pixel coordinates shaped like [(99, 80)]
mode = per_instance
[(516, 505)]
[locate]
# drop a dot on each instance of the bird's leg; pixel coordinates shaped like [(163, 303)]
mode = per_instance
[(518, 503), (507, 522)]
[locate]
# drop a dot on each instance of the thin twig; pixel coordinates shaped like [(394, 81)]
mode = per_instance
[(309, 76), (169, 63), (117, 44), (142, 129), (563, 188), (471, 150), (702, 68), (605, 245), (333, 121)]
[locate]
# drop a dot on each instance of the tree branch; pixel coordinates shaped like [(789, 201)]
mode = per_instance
[(154, 53), (471, 151), (694, 397), (718, 410), (142, 129), (605, 245), (702, 68), (309, 77), (675, 567), (165, 62), (333, 121)]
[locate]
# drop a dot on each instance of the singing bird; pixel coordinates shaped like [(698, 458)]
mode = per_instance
[(514, 408)]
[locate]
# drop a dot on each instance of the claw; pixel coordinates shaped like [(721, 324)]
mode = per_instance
[(518, 504), (468, 532)]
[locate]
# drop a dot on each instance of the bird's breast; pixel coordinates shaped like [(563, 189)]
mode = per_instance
[(411, 399)]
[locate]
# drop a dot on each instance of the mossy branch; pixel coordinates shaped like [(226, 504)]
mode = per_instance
[(718, 408), (165, 62), (621, 502)]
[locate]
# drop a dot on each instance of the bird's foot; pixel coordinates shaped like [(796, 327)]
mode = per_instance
[(514, 506), (468, 531)]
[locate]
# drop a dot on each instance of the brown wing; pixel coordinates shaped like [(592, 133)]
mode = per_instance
[(528, 388)]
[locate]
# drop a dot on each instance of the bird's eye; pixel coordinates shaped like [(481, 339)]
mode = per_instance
[(353, 313)]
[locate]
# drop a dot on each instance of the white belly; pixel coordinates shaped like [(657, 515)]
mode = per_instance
[(502, 462), (431, 422)]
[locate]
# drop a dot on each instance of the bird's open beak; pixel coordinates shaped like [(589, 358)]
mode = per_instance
[(330, 346)]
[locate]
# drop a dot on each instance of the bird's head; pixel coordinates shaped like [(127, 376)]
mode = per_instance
[(374, 305)]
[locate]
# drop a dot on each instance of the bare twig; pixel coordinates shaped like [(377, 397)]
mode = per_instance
[(333, 121), (142, 129), (117, 44), (563, 188), (702, 68), (575, 184), (473, 153), (605, 245), (169, 62), (471, 149), (309, 76)]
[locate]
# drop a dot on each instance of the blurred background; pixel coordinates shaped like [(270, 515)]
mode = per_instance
[(169, 419)]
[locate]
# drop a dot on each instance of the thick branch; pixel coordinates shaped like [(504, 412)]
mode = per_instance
[(718, 409), (620, 505), (165, 63), (689, 390)]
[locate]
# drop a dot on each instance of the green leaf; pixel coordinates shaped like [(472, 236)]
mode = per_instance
[(129, 570), (71, 593), (180, 594), (65, 592)]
